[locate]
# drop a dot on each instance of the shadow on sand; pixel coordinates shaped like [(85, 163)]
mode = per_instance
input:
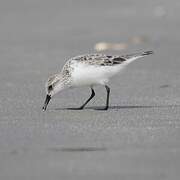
[(121, 107), (77, 149)]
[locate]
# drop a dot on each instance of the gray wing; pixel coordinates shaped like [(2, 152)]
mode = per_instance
[(100, 59)]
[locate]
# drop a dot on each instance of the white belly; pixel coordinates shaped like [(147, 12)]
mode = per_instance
[(85, 75)]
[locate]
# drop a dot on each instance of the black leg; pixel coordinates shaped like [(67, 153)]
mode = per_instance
[(82, 107), (107, 99), (92, 95)]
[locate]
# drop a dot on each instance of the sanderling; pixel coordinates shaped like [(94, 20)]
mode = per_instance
[(88, 70)]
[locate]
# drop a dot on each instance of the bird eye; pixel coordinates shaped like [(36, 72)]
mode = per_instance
[(50, 88)]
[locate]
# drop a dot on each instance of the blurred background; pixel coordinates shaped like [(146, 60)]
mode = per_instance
[(138, 138)]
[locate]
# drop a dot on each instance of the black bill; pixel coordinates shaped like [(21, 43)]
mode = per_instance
[(48, 98)]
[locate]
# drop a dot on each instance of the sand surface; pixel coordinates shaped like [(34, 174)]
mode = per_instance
[(137, 138)]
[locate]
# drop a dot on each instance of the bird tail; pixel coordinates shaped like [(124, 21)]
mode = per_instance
[(147, 53), (137, 55)]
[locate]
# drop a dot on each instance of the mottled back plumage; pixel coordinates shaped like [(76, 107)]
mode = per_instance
[(99, 59)]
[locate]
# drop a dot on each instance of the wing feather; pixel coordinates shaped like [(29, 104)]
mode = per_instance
[(100, 59)]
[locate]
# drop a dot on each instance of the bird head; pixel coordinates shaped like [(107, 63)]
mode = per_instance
[(54, 85)]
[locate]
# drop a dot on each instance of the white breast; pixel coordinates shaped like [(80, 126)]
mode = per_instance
[(84, 74)]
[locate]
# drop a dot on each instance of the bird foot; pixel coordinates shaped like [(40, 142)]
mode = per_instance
[(102, 109), (78, 108)]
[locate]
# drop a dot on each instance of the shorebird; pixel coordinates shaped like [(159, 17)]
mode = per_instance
[(88, 70)]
